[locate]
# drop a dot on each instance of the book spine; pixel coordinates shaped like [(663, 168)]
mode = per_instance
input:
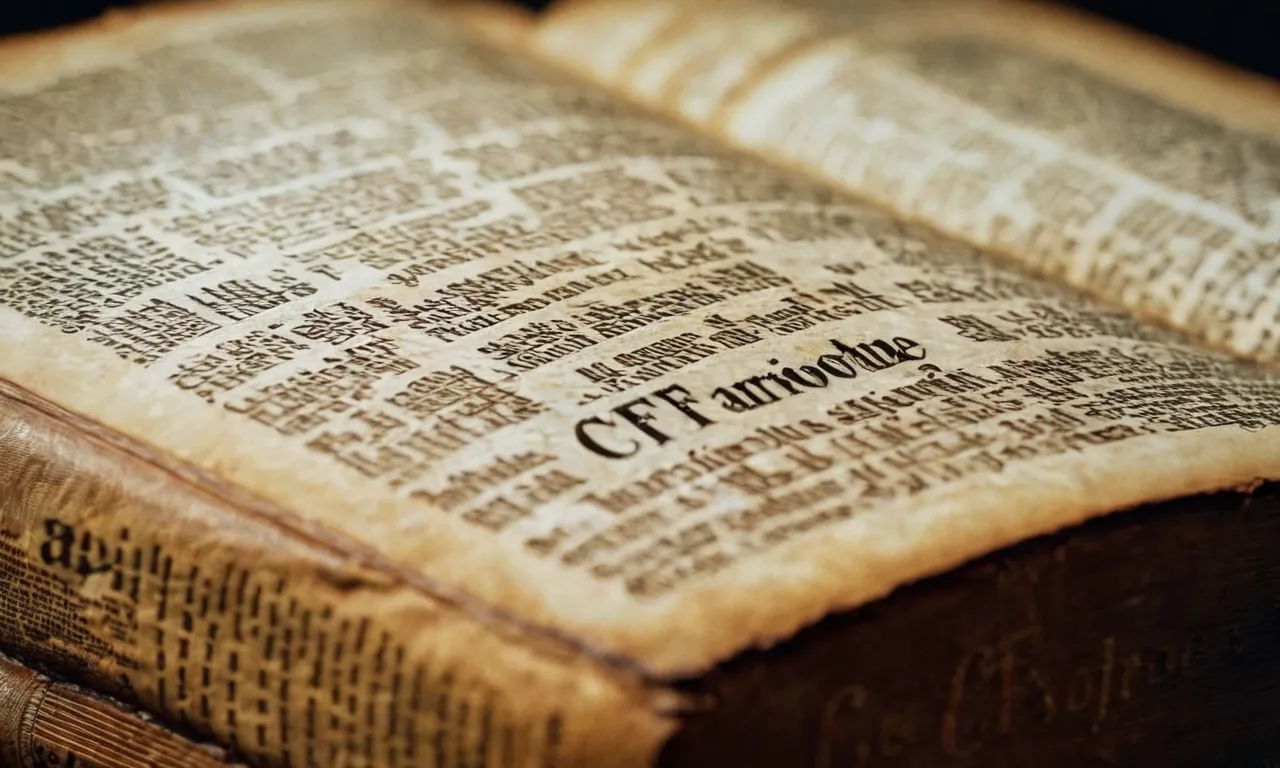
[(43, 722), (212, 611)]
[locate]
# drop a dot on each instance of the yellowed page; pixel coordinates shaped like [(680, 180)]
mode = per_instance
[(159, 581), (1124, 167), (568, 364)]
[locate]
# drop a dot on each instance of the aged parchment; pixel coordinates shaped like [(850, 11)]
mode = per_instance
[(596, 401), (1131, 170)]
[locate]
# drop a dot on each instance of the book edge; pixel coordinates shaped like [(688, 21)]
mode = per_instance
[(643, 644)]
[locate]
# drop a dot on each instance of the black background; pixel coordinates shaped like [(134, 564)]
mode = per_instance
[(1238, 31)]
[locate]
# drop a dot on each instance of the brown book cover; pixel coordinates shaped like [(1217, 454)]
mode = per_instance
[(44, 722), (395, 384)]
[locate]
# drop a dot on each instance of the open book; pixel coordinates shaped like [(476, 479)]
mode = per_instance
[(390, 384)]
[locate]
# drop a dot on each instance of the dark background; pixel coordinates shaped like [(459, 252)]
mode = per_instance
[(1243, 33)]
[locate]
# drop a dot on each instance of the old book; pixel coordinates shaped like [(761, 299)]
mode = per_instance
[(1137, 173), (378, 392), (44, 722)]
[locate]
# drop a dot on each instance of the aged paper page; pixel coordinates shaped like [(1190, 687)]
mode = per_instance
[(548, 354), (154, 580), (1135, 172)]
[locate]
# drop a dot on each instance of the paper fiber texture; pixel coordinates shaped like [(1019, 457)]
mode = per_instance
[(1119, 165), (583, 400)]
